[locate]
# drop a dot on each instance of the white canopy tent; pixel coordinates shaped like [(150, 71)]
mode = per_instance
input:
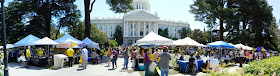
[(67, 41), (187, 41), (45, 41), (153, 38), (239, 46), (235, 46), (249, 48), (8, 46), (90, 44), (202, 45), (28, 40)]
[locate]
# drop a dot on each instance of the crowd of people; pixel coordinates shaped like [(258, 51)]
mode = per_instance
[(159, 55)]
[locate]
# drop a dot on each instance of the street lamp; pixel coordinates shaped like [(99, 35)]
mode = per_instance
[(4, 40)]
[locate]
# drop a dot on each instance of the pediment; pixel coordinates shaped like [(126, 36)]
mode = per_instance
[(140, 13)]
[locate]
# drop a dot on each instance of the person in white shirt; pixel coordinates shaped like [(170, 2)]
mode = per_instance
[(84, 57), (267, 54), (241, 57)]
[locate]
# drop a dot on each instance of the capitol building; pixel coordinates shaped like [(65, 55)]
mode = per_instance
[(138, 23)]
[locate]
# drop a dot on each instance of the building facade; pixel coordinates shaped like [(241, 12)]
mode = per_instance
[(138, 23)]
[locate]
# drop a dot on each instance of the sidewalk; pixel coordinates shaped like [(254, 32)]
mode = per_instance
[(92, 70)]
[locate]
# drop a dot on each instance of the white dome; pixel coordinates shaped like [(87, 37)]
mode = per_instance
[(141, 4)]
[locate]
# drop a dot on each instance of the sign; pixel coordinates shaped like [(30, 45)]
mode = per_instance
[(70, 45), (64, 45)]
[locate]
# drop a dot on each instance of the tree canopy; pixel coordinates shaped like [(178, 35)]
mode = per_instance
[(249, 22), (184, 32)]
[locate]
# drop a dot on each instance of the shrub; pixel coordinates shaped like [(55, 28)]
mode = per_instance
[(266, 66)]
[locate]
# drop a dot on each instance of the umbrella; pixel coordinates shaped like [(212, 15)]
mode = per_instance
[(260, 49)]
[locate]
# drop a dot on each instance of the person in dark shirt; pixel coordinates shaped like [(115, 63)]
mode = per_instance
[(191, 65), (182, 56), (192, 59)]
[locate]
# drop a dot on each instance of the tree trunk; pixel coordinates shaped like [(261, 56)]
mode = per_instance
[(48, 19), (87, 18), (221, 30), (57, 32)]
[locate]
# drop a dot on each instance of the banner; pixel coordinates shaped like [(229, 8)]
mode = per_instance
[(70, 45)]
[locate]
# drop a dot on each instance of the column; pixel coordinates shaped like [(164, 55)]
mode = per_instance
[(149, 26), (127, 27), (155, 27), (124, 34), (141, 6), (138, 29), (133, 29), (138, 5), (144, 33)]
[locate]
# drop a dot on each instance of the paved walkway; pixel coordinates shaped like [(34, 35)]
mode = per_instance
[(92, 70)]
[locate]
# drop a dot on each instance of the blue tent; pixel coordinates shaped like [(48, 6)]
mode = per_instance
[(28, 40), (220, 44)]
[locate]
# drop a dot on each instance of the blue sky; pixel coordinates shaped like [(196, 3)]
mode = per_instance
[(166, 9)]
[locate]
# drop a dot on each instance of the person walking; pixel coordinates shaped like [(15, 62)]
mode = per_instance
[(241, 57), (84, 57), (115, 57), (164, 61), (125, 55), (133, 57), (146, 62), (109, 54), (70, 54)]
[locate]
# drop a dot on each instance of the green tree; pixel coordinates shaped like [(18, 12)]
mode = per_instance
[(113, 43), (77, 30), (118, 6), (164, 32), (118, 35), (201, 37), (184, 32), (98, 36), (15, 28), (208, 11), (160, 31), (174, 38), (40, 13)]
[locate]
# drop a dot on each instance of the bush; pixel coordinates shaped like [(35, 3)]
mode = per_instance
[(266, 66)]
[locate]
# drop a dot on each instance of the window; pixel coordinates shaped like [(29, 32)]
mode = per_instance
[(131, 25), (147, 26), (131, 33), (141, 33), (175, 35), (111, 26), (101, 28)]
